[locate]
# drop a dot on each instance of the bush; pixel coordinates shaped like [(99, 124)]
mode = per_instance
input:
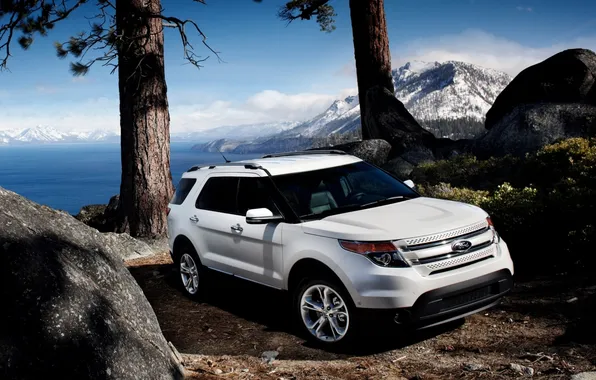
[(544, 206)]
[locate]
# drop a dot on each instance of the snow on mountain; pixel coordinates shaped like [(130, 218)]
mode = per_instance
[(45, 135), (245, 131), (430, 91), (340, 114), (40, 134), (450, 90)]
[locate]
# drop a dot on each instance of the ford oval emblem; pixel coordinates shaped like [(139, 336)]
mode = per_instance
[(461, 246)]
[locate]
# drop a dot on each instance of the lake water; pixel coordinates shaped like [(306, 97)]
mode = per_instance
[(69, 176)]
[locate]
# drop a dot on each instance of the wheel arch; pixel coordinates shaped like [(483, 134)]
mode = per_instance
[(311, 268), (180, 242)]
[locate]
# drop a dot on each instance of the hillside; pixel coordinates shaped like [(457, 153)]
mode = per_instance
[(449, 99)]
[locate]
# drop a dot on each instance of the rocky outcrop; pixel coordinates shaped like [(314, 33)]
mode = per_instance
[(553, 99), (374, 151), (104, 218), (528, 128), (70, 308)]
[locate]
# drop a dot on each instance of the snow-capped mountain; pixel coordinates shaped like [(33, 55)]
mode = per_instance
[(451, 90), (443, 97), (338, 118), (241, 132), (46, 135)]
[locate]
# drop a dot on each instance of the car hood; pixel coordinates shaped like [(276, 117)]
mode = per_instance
[(407, 219)]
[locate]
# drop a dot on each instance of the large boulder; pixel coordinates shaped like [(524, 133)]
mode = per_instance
[(70, 308), (104, 218), (528, 128), (553, 99), (566, 77), (375, 151)]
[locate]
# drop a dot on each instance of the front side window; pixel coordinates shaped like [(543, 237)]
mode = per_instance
[(255, 192), (219, 195), (320, 193)]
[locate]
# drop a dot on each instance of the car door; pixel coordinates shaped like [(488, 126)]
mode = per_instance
[(214, 212), (229, 244), (258, 246)]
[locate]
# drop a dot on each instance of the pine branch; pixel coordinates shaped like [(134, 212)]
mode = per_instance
[(306, 9), (189, 54)]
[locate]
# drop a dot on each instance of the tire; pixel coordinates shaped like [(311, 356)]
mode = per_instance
[(327, 326), (189, 266)]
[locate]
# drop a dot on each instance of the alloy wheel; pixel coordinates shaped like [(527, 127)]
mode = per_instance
[(189, 273), (324, 313)]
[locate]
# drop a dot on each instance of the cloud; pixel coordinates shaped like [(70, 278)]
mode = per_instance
[(46, 89), (264, 106), (483, 49), (348, 70), (524, 9), (99, 113), (103, 113)]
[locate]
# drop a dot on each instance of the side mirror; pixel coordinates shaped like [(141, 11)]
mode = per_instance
[(262, 216), (410, 183)]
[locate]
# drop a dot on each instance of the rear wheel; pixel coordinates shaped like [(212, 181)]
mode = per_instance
[(324, 311), (191, 271)]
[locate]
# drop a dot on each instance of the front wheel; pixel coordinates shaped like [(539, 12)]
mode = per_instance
[(323, 309)]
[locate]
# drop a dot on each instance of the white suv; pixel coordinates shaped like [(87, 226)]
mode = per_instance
[(342, 236)]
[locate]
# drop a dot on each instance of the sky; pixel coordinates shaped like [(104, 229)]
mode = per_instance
[(278, 72)]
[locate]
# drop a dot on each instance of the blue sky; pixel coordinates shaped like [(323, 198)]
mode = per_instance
[(278, 72)]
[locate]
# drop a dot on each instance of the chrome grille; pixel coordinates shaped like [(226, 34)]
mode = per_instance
[(432, 254), (446, 235), (462, 259)]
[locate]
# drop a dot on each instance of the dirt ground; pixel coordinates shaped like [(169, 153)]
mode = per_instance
[(547, 325)]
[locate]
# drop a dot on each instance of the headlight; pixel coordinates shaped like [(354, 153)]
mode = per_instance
[(496, 237), (384, 254)]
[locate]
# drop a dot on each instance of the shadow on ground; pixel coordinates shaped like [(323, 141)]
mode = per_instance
[(237, 317)]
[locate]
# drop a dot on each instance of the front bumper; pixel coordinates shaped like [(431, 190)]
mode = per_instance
[(457, 301), (450, 302), (374, 287)]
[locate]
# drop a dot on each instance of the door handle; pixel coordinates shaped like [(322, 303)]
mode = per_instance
[(237, 228), (194, 219)]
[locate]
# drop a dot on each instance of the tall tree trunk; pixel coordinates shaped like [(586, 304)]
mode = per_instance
[(371, 50), (146, 186)]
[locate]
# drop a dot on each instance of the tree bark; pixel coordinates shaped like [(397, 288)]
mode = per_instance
[(146, 186), (371, 51)]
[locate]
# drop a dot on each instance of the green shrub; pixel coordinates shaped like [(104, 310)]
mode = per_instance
[(543, 205)]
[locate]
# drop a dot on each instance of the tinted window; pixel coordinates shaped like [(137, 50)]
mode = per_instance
[(255, 193), (340, 189), (219, 194), (182, 190)]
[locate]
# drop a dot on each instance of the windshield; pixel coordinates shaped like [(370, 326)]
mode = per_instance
[(319, 193)]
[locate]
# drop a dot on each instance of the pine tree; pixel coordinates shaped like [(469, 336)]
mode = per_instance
[(371, 42), (126, 35)]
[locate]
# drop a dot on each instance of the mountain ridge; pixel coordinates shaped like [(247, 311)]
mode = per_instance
[(450, 99)]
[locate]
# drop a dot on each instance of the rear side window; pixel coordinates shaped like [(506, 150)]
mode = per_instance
[(182, 190), (219, 195)]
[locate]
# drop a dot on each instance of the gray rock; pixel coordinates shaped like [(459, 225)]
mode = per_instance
[(584, 376), (522, 369), (566, 77), (374, 151), (399, 167), (104, 218), (473, 367), (70, 309), (529, 127), (269, 356)]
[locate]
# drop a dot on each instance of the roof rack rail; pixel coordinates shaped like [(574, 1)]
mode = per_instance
[(305, 152), (212, 166)]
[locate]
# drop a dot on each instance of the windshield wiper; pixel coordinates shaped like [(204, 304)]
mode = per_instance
[(386, 200)]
